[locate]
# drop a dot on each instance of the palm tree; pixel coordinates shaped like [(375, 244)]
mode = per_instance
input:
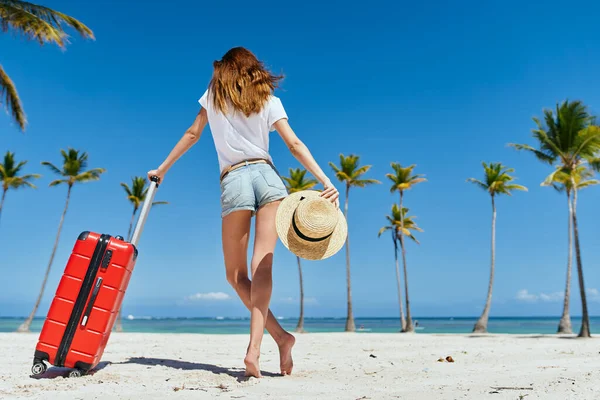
[(351, 174), (10, 178), (295, 183), (403, 179), (38, 23), (497, 181), (568, 140), (562, 184), (136, 195), (395, 219), (72, 172)]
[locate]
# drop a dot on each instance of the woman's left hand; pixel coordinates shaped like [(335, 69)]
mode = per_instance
[(331, 193)]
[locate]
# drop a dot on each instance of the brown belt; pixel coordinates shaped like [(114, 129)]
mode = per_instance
[(242, 164)]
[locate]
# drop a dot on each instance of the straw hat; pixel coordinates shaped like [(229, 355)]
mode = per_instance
[(310, 226)]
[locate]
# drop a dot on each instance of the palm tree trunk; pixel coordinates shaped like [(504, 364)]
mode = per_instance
[(25, 325), (481, 325), (585, 318), (131, 224), (119, 322), (300, 327), (2, 201), (402, 320), (564, 326), (409, 324), (350, 326)]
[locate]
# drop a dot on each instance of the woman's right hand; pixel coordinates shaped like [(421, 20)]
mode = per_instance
[(158, 173), (331, 193)]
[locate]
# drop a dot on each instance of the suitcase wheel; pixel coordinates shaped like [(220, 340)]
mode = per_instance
[(76, 373), (38, 368)]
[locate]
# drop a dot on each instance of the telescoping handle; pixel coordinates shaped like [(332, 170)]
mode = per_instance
[(145, 209)]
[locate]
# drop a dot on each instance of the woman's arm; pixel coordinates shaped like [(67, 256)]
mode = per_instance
[(303, 155), (189, 138)]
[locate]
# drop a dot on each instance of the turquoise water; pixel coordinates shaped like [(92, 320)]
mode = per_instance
[(521, 325)]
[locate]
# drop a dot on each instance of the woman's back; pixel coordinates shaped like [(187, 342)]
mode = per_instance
[(239, 137)]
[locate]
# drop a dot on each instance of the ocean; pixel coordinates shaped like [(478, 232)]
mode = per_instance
[(221, 325)]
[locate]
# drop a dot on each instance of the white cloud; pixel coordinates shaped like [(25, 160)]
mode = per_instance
[(593, 294), (292, 300), (524, 295), (210, 296), (552, 297)]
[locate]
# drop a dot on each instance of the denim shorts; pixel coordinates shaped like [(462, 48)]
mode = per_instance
[(251, 187)]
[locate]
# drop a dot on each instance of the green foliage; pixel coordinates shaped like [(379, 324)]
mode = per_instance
[(10, 98), (9, 173), (403, 178), (138, 191), (497, 180), (395, 220), (350, 173), (74, 164), (297, 181), (38, 23), (561, 180), (568, 138)]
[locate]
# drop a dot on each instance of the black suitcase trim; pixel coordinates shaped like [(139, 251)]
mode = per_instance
[(78, 308)]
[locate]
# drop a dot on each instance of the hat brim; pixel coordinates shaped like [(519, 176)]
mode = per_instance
[(302, 248)]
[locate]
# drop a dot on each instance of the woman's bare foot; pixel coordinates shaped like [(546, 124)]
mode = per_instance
[(285, 354), (252, 367)]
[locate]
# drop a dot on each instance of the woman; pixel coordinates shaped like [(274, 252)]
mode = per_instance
[(241, 110)]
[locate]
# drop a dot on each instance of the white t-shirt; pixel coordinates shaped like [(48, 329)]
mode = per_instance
[(237, 137)]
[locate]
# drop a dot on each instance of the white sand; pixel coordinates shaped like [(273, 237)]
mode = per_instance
[(327, 366)]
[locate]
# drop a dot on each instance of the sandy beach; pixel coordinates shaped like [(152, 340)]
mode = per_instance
[(327, 366)]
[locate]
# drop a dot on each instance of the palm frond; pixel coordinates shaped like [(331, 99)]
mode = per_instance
[(509, 188), (588, 143), (403, 178), (478, 183), (562, 178), (594, 163), (361, 171), (297, 181), (10, 98), (546, 158), (22, 21), (334, 167), (497, 179), (553, 177), (413, 238), (588, 183), (127, 190), (364, 182), (58, 182), (91, 175), (52, 167), (382, 230), (39, 23), (350, 172)]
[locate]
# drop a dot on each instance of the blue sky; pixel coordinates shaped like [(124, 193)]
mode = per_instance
[(431, 84)]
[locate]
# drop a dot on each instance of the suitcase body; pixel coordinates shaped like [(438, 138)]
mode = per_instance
[(86, 303), (88, 298)]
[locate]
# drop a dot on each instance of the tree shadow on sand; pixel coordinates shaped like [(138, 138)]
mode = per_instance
[(236, 373), (60, 372)]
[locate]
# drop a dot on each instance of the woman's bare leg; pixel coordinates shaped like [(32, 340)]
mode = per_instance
[(262, 283), (236, 232)]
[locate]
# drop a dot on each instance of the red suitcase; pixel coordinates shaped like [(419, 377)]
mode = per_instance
[(88, 298)]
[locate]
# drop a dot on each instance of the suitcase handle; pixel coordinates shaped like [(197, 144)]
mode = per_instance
[(145, 209), (88, 310)]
